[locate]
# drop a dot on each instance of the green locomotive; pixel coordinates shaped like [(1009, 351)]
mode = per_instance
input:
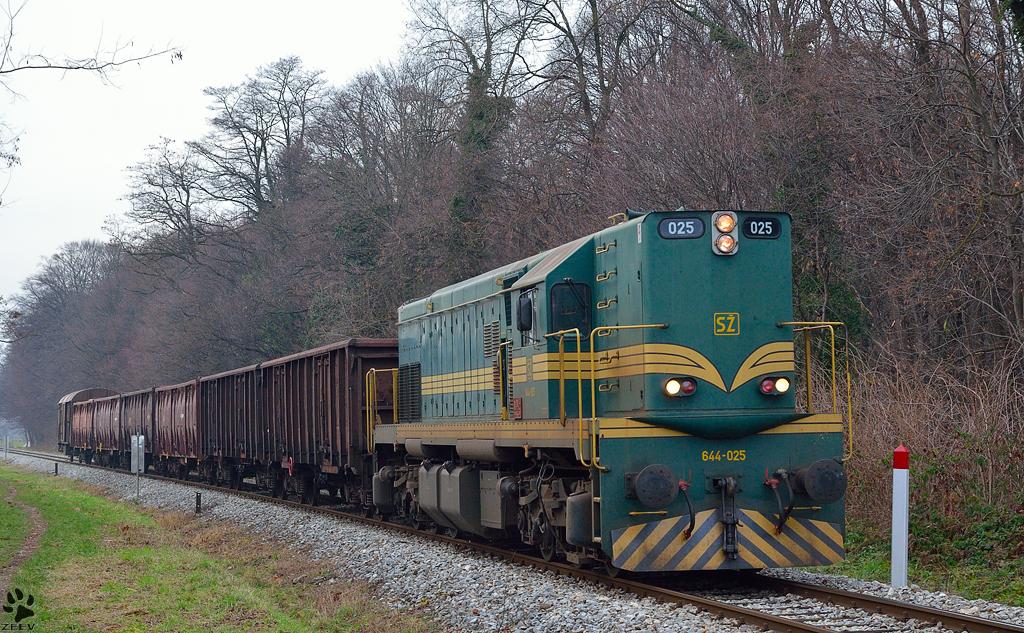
[(625, 399)]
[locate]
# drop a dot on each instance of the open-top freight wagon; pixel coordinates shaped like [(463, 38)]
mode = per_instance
[(296, 424)]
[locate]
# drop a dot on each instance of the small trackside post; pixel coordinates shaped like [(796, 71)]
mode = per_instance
[(199, 502), (138, 462), (900, 515)]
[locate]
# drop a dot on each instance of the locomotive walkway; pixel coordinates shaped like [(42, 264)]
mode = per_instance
[(28, 546)]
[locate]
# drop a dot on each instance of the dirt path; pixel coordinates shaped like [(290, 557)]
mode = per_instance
[(28, 546)]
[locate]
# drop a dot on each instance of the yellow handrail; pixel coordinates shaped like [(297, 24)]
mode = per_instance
[(371, 406), (371, 402), (596, 332), (806, 327), (579, 380)]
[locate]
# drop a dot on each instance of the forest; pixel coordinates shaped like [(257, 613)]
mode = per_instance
[(890, 131)]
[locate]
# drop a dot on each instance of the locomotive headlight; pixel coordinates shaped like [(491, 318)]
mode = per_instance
[(774, 385), (679, 387), (725, 223), (725, 242)]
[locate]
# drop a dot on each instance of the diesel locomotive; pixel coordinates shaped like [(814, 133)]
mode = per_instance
[(626, 400)]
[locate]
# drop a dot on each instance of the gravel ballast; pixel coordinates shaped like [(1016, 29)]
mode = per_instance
[(466, 590)]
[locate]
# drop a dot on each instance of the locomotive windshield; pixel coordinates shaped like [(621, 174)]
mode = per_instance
[(570, 307)]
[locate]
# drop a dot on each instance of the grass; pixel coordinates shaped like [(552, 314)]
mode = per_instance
[(14, 527), (109, 566), (972, 566)]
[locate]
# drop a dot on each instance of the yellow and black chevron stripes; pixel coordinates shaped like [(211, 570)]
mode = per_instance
[(661, 545), (767, 359)]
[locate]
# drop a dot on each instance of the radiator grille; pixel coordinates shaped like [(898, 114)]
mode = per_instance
[(492, 339), (409, 398)]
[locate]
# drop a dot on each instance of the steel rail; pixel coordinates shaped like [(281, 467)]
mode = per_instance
[(867, 603), (894, 608)]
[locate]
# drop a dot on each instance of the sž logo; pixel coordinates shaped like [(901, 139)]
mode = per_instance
[(20, 605)]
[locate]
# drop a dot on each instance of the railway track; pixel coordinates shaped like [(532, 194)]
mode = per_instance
[(765, 602)]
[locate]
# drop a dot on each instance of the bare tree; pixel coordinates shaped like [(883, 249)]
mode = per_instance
[(256, 124), (103, 61)]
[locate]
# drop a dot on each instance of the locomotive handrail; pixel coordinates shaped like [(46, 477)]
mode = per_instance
[(579, 381), (371, 402), (806, 327), (604, 330)]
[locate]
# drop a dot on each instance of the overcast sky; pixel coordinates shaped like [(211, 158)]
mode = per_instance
[(78, 135)]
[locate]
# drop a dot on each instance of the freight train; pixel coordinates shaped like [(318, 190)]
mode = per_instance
[(626, 399)]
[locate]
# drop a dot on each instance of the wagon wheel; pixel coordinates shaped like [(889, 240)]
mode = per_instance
[(277, 489), (419, 526), (369, 511), (314, 496)]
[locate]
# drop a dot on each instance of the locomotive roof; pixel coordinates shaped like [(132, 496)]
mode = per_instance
[(525, 272)]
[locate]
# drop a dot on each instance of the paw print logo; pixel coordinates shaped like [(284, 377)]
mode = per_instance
[(19, 605)]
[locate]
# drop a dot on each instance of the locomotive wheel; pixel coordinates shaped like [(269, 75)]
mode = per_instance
[(433, 528), (419, 526), (613, 571), (451, 532), (547, 544), (547, 552)]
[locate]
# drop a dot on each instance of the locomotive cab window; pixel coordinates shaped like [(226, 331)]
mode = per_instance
[(570, 307)]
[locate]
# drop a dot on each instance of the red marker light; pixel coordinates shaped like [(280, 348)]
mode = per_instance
[(767, 385), (688, 386)]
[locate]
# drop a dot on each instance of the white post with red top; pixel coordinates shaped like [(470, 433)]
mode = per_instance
[(900, 514)]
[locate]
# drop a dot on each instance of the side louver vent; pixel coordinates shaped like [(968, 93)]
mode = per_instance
[(492, 339), (409, 398)]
